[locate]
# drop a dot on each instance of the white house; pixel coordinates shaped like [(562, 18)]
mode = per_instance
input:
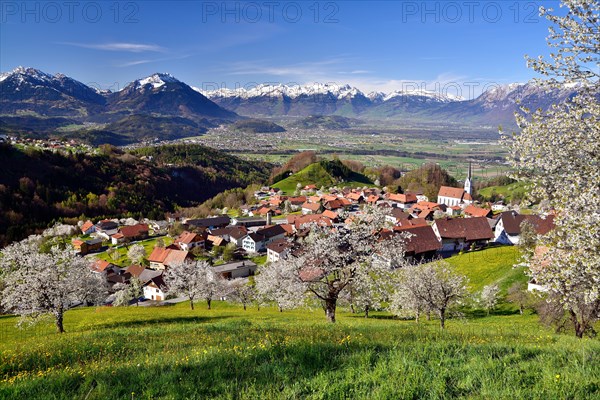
[(277, 250), (257, 242), (188, 240)]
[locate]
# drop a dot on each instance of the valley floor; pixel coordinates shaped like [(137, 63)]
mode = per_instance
[(172, 352)]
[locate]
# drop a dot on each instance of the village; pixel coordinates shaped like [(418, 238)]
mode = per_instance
[(269, 231)]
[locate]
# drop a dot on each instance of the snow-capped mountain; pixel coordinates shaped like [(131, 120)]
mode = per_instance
[(29, 89), (495, 106), (164, 94)]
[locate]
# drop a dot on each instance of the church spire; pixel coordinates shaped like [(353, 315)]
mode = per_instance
[(468, 181)]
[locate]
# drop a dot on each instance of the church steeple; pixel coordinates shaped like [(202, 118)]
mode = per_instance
[(468, 181)]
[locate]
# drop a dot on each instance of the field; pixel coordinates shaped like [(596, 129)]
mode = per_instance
[(517, 190), (172, 352)]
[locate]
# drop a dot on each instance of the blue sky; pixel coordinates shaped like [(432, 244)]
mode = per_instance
[(380, 46)]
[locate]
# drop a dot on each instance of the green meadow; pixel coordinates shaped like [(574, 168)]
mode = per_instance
[(171, 352)]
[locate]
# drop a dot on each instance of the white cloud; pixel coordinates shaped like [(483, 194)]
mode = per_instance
[(123, 47)]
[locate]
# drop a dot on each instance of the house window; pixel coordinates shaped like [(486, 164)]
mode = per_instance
[(156, 290)]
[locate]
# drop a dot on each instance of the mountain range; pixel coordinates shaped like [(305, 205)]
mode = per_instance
[(161, 107), (494, 106)]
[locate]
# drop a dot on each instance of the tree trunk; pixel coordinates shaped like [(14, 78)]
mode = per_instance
[(244, 306), (280, 308), (366, 311), (442, 318), (59, 320), (352, 310), (208, 301), (192, 304), (579, 326), (521, 309), (330, 305)]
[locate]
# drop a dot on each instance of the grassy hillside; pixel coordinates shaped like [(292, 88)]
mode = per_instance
[(490, 266), (226, 353), (324, 173), (172, 352), (515, 191)]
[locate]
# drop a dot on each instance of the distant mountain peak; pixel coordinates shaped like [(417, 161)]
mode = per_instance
[(27, 72), (280, 90), (157, 80)]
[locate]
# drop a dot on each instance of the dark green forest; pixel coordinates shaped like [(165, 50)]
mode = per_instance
[(39, 187)]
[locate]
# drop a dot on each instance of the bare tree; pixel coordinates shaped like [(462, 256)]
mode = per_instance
[(432, 286), (38, 284), (517, 293)]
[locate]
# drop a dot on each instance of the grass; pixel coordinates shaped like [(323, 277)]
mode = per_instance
[(227, 353), (489, 266), (317, 175), (513, 191)]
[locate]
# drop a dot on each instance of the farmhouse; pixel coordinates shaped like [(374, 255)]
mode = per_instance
[(311, 208), (87, 246), (403, 201), (508, 226), (460, 233), (163, 257), (88, 227), (277, 250), (257, 242), (473, 211), (106, 228), (422, 244), (134, 232), (188, 240)]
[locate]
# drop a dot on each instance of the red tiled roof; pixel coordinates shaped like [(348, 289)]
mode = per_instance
[(135, 270), (158, 255), (476, 228), (188, 237), (402, 198), (330, 214), (289, 228), (279, 246), (86, 225), (512, 222), (334, 204), (423, 240), (456, 193), (134, 230), (100, 265), (311, 206), (354, 196), (476, 211), (175, 256)]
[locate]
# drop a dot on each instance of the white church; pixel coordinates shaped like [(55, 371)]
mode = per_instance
[(451, 196)]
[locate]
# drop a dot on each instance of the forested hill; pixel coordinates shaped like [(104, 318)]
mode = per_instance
[(38, 187)]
